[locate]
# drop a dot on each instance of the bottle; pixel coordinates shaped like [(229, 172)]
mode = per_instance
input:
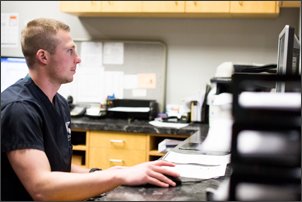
[(194, 111)]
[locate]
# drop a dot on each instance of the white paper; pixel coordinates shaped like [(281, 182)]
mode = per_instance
[(198, 171), (113, 53), (129, 109), (89, 85), (201, 159), (91, 54), (9, 29), (130, 81), (168, 125), (88, 82), (113, 83)]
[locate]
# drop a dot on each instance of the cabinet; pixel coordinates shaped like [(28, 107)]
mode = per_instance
[(105, 149), (208, 8), (121, 6), (109, 149), (81, 7), (80, 142), (163, 6), (254, 8), (172, 8), (290, 4)]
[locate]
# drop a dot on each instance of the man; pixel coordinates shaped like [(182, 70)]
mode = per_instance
[(35, 128)]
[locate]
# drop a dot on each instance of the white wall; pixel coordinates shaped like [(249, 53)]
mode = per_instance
[(196, 46)]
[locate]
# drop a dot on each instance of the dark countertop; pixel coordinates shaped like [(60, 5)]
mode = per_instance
[(124, 125), (189, 190)]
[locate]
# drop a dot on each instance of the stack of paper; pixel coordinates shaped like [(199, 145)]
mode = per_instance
[(167, 144), (168, 125), (200, 166)]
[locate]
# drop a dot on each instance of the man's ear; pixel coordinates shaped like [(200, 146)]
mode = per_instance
[(42, 56)]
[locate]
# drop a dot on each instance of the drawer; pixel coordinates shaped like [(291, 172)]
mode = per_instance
[(118, 141), (104, 158)]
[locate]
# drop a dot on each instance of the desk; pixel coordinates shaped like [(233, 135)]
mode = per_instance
[(185, 192), (188, 191)]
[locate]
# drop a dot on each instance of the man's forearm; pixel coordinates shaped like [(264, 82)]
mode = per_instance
[(79, 169)]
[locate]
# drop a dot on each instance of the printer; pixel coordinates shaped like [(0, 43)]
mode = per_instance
[(132, 109)]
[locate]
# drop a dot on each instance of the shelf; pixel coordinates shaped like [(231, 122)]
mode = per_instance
[(79, 158), (154, 140), (155, 153), (79, 147)]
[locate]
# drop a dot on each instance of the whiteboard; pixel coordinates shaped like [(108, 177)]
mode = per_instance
[(125, 69)]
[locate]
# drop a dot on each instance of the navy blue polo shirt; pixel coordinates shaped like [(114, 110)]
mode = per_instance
[(30, 121)]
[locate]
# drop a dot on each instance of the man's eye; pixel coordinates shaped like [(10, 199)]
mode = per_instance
[(70, 51)]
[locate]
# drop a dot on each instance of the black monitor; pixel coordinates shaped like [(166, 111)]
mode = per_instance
[(288, 56), (12, 69)]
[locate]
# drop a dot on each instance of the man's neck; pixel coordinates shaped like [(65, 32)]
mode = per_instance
[(49, 88)]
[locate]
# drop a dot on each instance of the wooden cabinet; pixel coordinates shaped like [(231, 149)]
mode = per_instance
[(109, 149), (121, 6), (290, 4), (163, 6), (232, 8), (81, 7), (171, 8), (208, 8), (80, 142), (105, 149), (254, 8)]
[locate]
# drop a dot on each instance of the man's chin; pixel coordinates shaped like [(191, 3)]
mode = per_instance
[(67, 81)]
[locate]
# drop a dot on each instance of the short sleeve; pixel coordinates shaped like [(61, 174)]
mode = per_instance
[(21, 127)]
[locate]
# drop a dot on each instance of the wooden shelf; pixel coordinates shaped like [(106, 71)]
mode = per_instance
[(79, 140), (79, 147), (155, 153)]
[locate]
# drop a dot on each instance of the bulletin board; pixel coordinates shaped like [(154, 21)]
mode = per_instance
[(125, 69)]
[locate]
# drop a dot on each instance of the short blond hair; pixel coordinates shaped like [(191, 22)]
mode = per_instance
[(40, 34)]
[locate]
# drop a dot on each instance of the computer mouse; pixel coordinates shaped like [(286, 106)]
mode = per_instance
[(177, 180)]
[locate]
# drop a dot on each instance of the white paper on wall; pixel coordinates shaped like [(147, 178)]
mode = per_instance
[(91, 54), (9, 29), (113, 53)]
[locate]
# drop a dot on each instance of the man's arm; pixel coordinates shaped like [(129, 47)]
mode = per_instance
[(33, 169), (79, 169)]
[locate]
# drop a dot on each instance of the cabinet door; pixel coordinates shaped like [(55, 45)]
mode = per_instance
[(118, 141), (254, 7), (207, 7), (163, 6), (121, 6), (80, 6), (104, 158), (115, 148)]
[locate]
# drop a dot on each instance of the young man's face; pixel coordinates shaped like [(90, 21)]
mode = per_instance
[(65, 59)]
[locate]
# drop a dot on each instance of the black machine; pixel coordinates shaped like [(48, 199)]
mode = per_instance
[(132, 109)]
